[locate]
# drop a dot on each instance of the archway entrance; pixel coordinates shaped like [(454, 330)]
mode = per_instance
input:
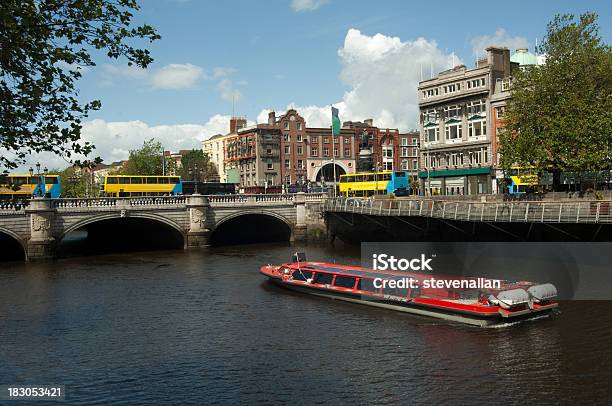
[(117, 235), (326, 173), (250, 228), (11, 250)]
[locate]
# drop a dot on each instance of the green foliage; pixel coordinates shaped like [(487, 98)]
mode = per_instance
[(147, 160), (560, 115), (77, 182), (196, 158), (45, 44)]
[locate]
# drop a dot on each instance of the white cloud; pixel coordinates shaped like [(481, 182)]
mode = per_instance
[(227, 91), (114, 140), (501, 39), (220, 72), (176, 76), (383, 74), (307, 5)]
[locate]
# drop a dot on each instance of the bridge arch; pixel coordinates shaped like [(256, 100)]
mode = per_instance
[(149, 223), (14, 238), (278, 227)]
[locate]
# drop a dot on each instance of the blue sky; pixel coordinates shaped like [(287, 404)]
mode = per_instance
[(308, 53)]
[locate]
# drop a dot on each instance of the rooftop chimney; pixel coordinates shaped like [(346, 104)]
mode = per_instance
[(271, 118), (369, 122), (236, 123)]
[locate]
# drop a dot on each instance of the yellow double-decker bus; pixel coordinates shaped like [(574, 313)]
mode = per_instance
[(375, 183), (522, 180), (22, 187), (133, 185)]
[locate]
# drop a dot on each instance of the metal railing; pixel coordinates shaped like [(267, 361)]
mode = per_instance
[(526, 212)]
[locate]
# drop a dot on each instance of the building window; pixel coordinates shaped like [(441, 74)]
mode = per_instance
[(336, 152), (453, 131), (404, 141), (387, 151), (476, 128), (388, 166), (287, 149), (270, 165), (499, 112), (347, 152), (452, 112), (415, 164), (300, 150), (432, 134), (314, 151), (431, 116), (415, 141), (336, 140), (287, 166), (404, 152), (455, 87), (480, 156), (299, 138), (299, 125), (313, 140), (347, 140), (288, 179), (476, 107), (286, 125), (300, 164), (326, 151), (325, 140), (286, 137)]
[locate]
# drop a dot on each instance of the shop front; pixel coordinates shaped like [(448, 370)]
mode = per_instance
[(469, 181)]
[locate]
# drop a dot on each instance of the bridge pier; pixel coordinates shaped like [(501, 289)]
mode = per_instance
[(300, 230), (198, 235), (41, 244)]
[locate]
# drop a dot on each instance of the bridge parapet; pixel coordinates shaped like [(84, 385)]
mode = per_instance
[(518, 212)]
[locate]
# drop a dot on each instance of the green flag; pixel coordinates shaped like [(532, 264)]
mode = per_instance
[(335, 122)]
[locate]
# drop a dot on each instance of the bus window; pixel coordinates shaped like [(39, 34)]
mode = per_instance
[(163, 180), (400, 174), (175, 180), (343, 179), (151, 180), (52, 180), (20, 180), (386, 176), (350, 178), (135, 180), (359, 178), (370, 178)]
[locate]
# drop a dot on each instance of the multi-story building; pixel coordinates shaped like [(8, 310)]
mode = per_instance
[(456, 135), (409, 152), (213, 147), (252, 157)]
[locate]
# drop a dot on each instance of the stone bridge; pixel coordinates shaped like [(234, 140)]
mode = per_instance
[(40, 225)]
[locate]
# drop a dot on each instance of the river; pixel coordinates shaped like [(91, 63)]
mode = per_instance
[(204, 327)]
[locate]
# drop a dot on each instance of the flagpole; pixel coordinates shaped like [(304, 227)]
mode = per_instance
[(333, 152)]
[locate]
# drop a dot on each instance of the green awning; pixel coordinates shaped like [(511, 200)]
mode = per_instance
[(486, 170)]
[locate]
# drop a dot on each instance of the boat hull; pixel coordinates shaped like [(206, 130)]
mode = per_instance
[(412, 307)]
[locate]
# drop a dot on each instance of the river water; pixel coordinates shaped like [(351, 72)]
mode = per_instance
[(204, 327)]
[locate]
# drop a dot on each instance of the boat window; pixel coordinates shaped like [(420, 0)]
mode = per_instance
[(401, 292), (344, 281), (323, 278), (367, 285), (300, 275)]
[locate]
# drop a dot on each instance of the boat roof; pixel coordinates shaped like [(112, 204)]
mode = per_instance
[(350, 270)]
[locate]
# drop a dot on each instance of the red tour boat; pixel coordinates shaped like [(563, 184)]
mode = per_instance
[(477, 301)]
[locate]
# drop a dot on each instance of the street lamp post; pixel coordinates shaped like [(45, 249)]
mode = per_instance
[(40, 179), (195, 175)]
